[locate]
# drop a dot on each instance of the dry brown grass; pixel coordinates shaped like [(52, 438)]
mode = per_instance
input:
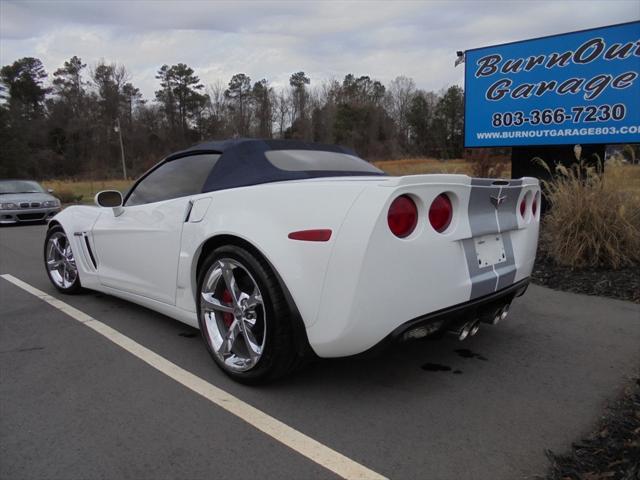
[(594, 219), (626, 176), (421, 165), (490, 168), (416, 166), (83, 191)]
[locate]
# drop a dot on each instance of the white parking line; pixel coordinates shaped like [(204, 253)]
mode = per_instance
[(301, 443)]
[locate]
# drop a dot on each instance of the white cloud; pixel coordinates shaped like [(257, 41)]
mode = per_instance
[(273, 39)]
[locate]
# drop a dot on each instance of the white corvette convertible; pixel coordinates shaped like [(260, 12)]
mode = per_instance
[(281, 250)]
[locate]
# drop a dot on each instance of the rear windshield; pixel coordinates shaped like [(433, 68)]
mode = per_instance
[(315, 160)]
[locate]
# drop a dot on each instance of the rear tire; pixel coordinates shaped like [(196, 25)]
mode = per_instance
[(59, 261), (244, 318)]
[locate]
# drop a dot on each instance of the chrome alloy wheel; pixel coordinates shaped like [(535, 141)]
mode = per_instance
[(60, 262), (234, 315)]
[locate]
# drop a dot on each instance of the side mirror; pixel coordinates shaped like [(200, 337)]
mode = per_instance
[(50, 190), (110, 199)]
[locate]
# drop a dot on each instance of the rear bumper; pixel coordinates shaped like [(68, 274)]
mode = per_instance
[(27, 215), (451, 318)]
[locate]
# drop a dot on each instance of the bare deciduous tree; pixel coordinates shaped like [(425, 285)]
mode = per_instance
[(67, 127), (399, 96)]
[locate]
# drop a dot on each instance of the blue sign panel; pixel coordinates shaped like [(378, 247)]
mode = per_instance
[(581, 87)]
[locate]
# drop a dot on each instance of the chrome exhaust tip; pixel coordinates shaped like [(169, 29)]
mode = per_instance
[(469, 329), (475, 327), (464, 331), (505, 312), (500, 314)]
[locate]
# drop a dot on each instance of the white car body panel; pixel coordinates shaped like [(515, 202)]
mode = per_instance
[(138, 251), (369, 291), (299, 205), (351, 291)]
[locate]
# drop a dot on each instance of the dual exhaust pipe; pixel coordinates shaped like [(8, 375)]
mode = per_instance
[(500, 315), (471, 328)]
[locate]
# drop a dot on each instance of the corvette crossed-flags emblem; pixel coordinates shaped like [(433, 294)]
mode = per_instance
[(498, 200)]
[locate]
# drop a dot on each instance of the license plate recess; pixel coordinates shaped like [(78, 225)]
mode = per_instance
[(490, 250)]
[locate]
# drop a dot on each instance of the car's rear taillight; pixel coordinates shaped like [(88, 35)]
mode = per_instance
[(402, 217), (440, 213), (534, 205), (523, 207)]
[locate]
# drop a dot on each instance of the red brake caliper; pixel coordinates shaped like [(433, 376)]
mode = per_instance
[(227, 299)]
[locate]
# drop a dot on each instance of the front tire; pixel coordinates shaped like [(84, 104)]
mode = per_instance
[(244, 318), (59, 261)]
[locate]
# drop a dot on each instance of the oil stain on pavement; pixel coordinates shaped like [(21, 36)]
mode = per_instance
[(466, 353), (463, 352)]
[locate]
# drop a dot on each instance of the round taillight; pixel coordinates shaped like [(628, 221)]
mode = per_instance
[(523, 207), (534, 205), (440, 213), (402, 216)]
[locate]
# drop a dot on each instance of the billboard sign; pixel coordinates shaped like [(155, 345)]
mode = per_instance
[(574, 88)]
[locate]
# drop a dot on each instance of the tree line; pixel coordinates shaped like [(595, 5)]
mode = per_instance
[(69, 124)]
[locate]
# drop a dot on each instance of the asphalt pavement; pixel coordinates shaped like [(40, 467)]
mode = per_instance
[(74, 405)]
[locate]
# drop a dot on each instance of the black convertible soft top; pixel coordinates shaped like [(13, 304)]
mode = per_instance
[(244, 162)]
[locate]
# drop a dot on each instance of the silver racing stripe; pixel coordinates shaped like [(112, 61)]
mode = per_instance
[(483, 280), (486, 216), (506, 271)]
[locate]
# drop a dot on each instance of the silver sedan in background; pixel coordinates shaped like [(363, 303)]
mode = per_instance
[(25, 201)]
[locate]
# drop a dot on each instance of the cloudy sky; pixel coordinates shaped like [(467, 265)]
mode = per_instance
[(263, 39)]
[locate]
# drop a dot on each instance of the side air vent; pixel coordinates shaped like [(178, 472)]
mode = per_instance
[(93, 259), (87, 253)]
